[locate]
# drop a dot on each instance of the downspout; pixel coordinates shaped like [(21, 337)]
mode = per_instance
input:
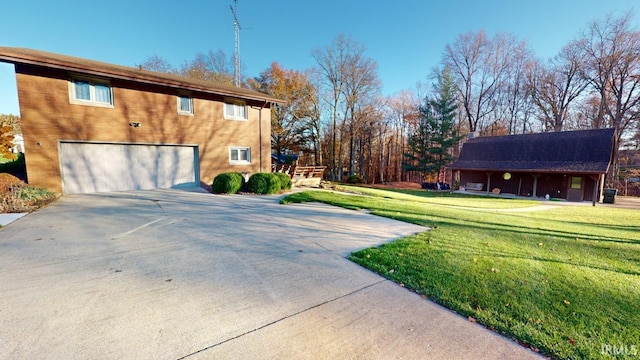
[(260, 130)]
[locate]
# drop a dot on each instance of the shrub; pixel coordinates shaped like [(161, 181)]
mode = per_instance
[(25, 198), (354, 179), (285, 180), (227, 183), (8, 181), (16, 167), (263, 183)]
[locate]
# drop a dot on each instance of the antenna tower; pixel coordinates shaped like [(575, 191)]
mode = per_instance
[(236, 53)]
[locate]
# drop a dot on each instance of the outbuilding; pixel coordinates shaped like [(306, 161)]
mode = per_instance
[(567, 165)]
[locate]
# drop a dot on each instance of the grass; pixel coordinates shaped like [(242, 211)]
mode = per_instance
[(564, 281)]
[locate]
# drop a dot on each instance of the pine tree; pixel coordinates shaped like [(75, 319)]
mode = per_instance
[(436, 132)]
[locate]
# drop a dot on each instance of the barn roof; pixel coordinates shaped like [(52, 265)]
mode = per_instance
[(582, 151), (97, 68)]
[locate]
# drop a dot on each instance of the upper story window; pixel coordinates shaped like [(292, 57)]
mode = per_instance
[(235, 111), (185, 105), (90, 92)]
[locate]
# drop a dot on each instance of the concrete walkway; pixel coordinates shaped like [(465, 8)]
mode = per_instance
[(171, 274)]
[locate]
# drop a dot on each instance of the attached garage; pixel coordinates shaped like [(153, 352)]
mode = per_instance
[(88, 167)]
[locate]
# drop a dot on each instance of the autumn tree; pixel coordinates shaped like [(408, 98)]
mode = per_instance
[(290, 130), (9, 126)]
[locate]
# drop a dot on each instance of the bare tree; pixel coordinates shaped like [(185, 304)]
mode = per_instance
[(157, 64), (351, 80), (402, 114), (480, 65), (556, 86), (331, 61), (612, 66)]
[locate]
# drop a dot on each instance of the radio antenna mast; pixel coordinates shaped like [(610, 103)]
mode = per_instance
[(236, 53)]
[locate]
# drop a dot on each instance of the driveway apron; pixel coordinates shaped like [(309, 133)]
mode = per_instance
[(176, 274)]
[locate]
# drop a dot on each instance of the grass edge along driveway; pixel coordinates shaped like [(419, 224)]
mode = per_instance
[(564, 281)]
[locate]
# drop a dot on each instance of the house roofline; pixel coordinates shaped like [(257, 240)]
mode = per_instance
[(97, 68), (535, 171)]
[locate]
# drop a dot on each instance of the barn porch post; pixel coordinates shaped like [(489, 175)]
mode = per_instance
[(595, 178), (535, 185), (489, 181)]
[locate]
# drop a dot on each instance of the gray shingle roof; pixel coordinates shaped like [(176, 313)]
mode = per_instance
[(582, 151)]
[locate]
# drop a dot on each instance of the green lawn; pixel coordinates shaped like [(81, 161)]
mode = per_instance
[(565, 280)]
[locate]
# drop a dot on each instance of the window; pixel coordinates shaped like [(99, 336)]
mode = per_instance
[(235, 111), (90, 92), (239, 155), (185, 105), (576, 182)]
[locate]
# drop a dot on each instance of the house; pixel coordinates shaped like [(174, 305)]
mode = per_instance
[(90, 126), (569, 165)]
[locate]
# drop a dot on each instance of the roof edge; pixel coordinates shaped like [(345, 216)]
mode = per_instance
[(73, 64)]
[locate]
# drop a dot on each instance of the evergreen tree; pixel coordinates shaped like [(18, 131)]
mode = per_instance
[(436, 132)]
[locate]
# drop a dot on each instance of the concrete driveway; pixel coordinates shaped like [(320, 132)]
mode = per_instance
[(172, 274)]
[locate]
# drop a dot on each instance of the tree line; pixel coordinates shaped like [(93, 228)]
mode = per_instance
[(336, 116)]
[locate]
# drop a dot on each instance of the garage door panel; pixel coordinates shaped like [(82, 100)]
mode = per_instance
[(92, 167)]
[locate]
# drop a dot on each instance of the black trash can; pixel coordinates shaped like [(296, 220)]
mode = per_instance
[(609, 196)]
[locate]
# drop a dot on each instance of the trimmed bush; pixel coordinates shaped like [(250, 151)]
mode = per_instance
[(227, 183), (263, 183), (354, 179), (285, 180)]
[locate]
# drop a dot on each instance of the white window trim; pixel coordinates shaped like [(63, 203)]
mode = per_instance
[(182, 112), (240, 162), (232, 117), (92, 82)]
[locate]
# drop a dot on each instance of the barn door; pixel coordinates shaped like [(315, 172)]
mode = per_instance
[(576, 186)]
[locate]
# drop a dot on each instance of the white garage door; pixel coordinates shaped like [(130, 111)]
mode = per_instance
[(93, 167)]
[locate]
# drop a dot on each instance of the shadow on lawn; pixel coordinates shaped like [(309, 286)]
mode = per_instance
[(418, 219)]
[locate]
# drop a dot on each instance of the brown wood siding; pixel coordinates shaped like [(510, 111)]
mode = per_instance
[(47, 117)]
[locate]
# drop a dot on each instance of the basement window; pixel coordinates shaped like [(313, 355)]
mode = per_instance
[(239, 155), (90, 92)]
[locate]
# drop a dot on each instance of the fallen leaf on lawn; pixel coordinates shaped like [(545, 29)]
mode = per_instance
[(368, 256), (494, 270), (567, 302), (506, 305), (540, 244), (572, 342), (391, 271), (472, 319), (475, 260), (400, 254)]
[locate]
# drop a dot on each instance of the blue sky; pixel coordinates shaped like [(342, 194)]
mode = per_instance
[(406, 38)]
